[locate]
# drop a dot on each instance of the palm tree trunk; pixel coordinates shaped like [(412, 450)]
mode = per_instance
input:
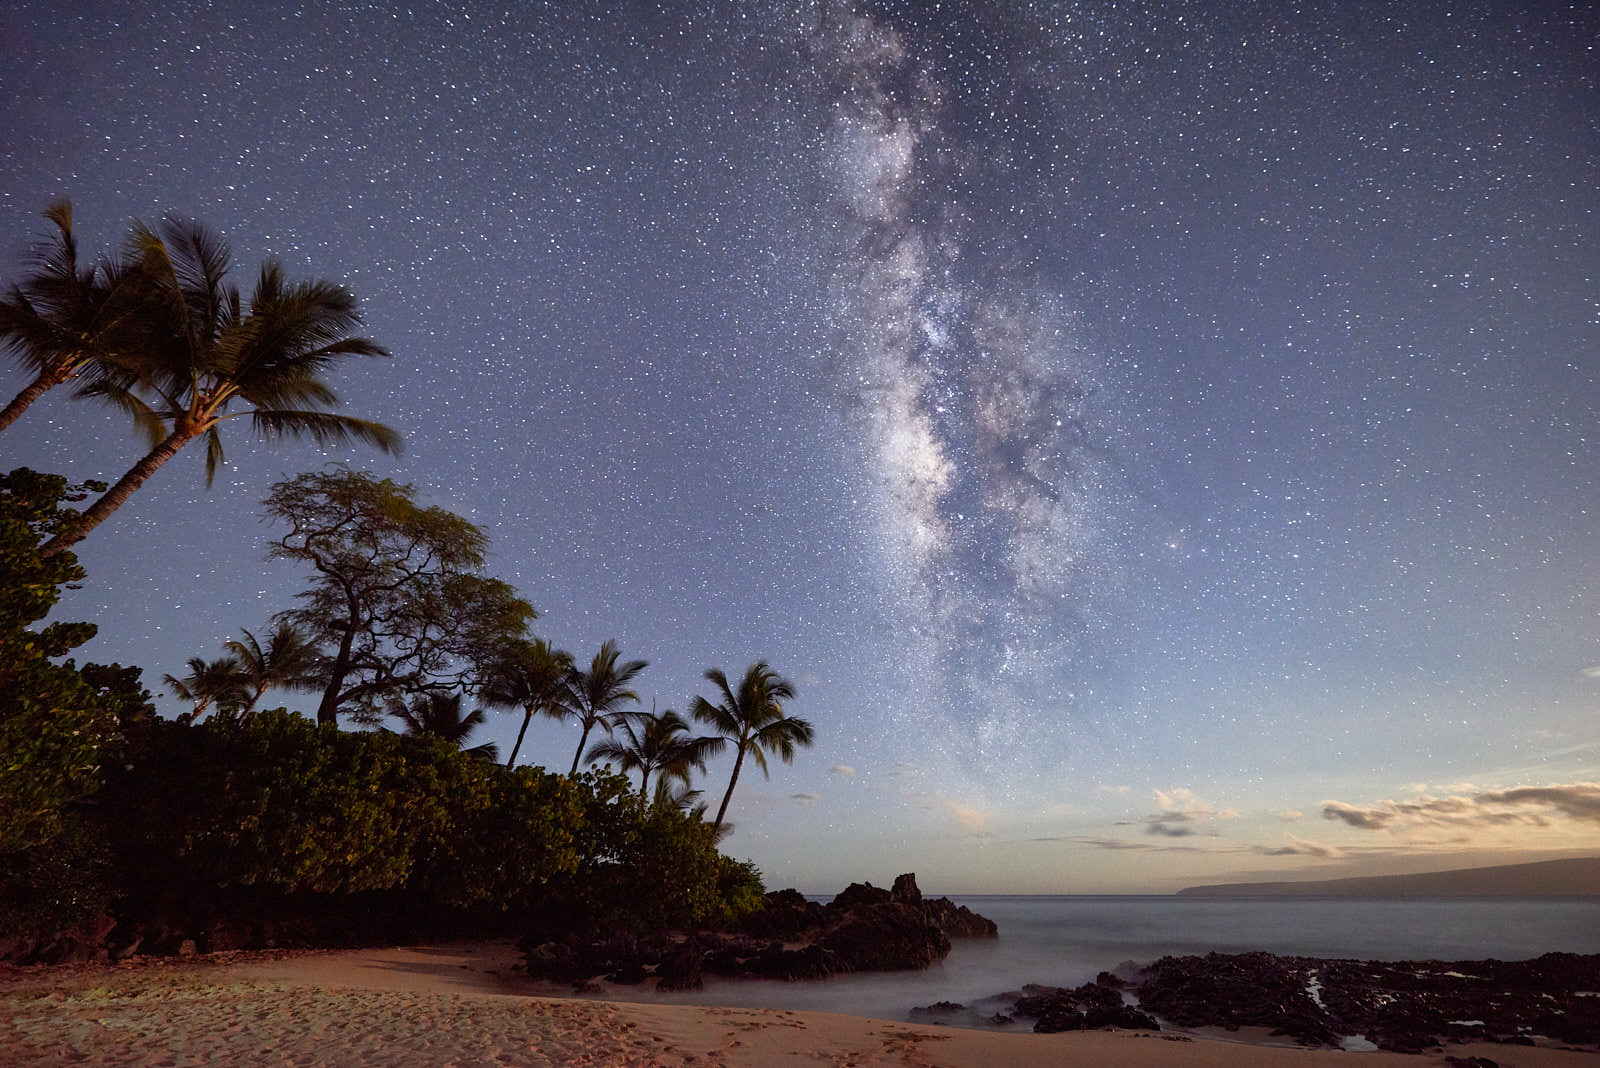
[(738, 762), (587, 727), (46, 381), (527, 717), (114, 497)]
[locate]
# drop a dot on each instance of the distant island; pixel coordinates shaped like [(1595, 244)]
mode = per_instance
[(1578, 877)]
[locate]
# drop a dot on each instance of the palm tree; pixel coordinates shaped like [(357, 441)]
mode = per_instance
[(204, 351), (440, 715), (661, 743), (288, 660), (61, 321), (220, 682), (754, 719), (531, 676), (594, 695)]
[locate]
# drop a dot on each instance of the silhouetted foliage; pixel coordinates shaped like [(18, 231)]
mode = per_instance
[(58, 725), (60, 321), (597, 693), (398, 605), (754, 720), (55, 725), (229, 818), (530, 676)]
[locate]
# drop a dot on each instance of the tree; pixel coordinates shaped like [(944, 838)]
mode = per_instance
[(221, 682), (530, 676), (201, 351), (61, 321), (289, 661), (594, 695), (754, 719), (398, 604), (440, 715), (652, 743), (57, 724)]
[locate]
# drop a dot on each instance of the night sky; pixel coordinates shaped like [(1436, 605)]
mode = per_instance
[(1158, 440)]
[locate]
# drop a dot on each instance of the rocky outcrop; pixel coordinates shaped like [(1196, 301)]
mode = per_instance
[(1052, 1009), (863, 929), (958, 921), (1406, 1007), (889, 937)]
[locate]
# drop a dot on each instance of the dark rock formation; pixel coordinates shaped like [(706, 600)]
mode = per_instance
[(954, 1014), (1088, 1008), (864, 929), (885, 938), (1406, 1007), (786, 915), (958, 921), (683, 969), (858, 894)]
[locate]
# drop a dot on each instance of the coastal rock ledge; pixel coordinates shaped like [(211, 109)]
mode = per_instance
[(1399, 1006), (863, 929), (1402, 1006)]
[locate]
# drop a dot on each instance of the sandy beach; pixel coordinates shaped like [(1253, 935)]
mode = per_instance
[(464, 1004)]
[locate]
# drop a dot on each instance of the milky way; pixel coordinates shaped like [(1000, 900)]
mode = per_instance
[(974, 394)]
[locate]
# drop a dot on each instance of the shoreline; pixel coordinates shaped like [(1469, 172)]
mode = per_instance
[(436, 1005)]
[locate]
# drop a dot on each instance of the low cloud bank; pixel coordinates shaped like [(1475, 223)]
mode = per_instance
[(1523, 806)]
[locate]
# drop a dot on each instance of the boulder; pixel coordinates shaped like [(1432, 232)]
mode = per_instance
[(905, 890), (886, 937), (682, 969), (858, 894), (958, 921)]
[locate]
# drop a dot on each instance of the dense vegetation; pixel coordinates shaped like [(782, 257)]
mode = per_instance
[(233, 825)]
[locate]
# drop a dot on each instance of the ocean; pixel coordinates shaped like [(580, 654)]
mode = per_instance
[(1066, 941)]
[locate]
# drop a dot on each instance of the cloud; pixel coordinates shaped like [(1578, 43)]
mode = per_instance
[(806, 799), (1180, 810), (1299, 847), (1578, 801), (969, 818), (902, 770), (1366, 819), (1290, 815), (843, 769), (1525, 806)]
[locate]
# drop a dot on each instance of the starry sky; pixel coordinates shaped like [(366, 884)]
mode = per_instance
[(1157, 439)]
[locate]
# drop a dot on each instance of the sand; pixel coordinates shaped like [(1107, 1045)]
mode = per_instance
[(463, 1005)]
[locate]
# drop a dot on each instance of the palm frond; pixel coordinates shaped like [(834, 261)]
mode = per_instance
[(326, 429), (214, 456), (146, 420)]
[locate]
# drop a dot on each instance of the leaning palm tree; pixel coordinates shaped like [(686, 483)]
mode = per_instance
[(754, 719), (220, 682), (61, 321), (531, 676), (440, 715), (655, 743), (288, 660), (204, 351), (594, 695)]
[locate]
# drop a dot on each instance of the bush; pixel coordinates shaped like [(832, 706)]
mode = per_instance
[(229, 822)]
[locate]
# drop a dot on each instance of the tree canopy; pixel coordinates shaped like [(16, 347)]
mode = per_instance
[(56, 723), (162, 335), (398, 601)]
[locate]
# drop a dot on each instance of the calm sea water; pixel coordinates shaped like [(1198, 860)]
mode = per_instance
[(1065, 941)]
